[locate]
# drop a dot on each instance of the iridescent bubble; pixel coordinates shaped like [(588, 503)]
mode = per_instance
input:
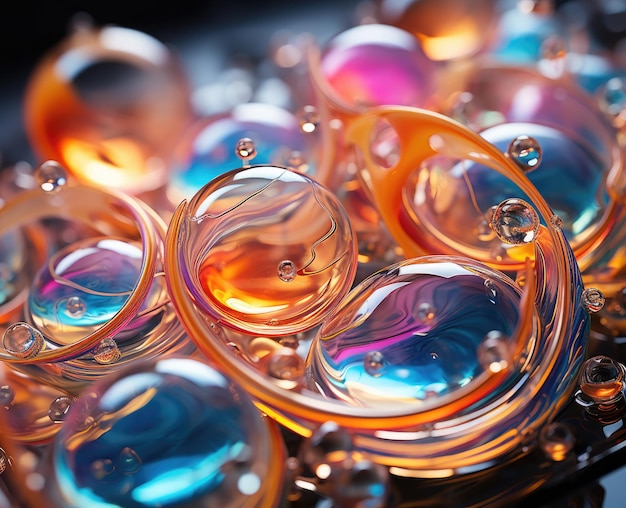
[(208, 149), (375, 64), (51, 176), (593, 299), (22, 340), (525, 152), (169, 432), (84, 285), (379, 323), (515, 221), (247, 232)]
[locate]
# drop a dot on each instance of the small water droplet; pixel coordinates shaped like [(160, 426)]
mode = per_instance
[(129, 461), (434, 356), (525, 152), (328, 444), (75, 307), (557, 441), (426, 313), (494, 352), (59, 408), (490, 290), (515, 221), (101, 468), (602, 379), (6, 395), (107, 352), (22, 340), (612, 101), (308, 117), (287, 270), (557, 222), (375, 363), (245, 149), (593, 299), (51, 176), (273, 322)]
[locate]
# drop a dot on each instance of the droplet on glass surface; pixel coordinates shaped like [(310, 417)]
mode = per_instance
[(287, 270), (426, 312), (602, 379), (245, 149), (557, 441), (309, 119), (6, 395), (515, 221), (374, 363), (494, 352), (101, 468), (75, 307), (59, 408), (129, 461), (593, 299), (107, 352), (51, 176), (490, 290), (612, 101), (557, 222), (526, 152), (22, 340)]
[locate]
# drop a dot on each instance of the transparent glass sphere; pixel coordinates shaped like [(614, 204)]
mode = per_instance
[(170, 432), (375, 64), (267, 250), (85, 284), (207, 151), (415, 331), (110, 105)]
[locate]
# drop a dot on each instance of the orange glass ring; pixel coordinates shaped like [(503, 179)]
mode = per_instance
[(54, 344), (480, 422)]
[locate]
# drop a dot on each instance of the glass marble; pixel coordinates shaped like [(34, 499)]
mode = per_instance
[(267, 250), (379, 349), (375, 64), (84, 285), (109, 104), (208, 149), (567, 162), (165, 433)]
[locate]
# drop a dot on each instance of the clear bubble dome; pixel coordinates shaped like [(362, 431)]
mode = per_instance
[(84, 285), (172, 432), (375, 65), (208, 150), (413, 332), (267, 250)]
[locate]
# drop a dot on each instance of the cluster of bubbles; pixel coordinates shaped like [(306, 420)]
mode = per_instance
[(295, 265)]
